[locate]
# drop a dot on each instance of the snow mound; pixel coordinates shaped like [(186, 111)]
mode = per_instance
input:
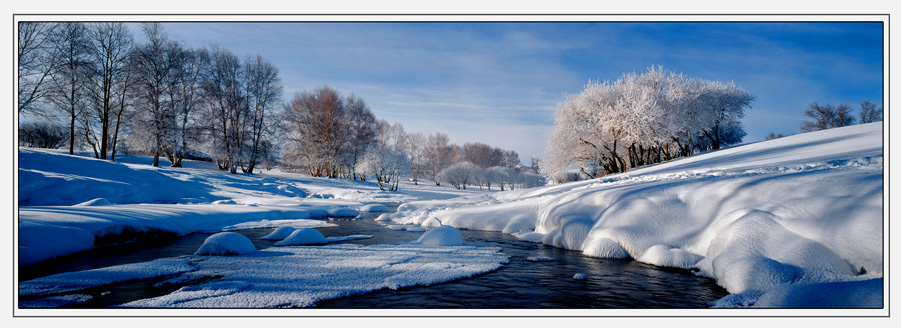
[(342, 212), (226, 243), (279, 233), (441, 236), (384, 217), (579, 276), (95, 202), (303, 236), (374, 208)]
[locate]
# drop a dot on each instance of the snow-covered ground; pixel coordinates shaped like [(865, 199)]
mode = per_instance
[(66, 201), (791, 222)]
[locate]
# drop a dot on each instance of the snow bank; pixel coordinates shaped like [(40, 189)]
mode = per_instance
[(759, 218), (303, 236), (226, 243), (441, 236)]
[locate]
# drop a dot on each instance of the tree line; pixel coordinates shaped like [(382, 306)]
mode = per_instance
[(165, 99), (641, 119)]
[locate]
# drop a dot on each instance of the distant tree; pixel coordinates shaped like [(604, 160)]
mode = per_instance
[(416, 151), (458, 175), (772, 136), (42, 135), (387, 165), (826, 117), (500, 175), (869, 113), (536, 164), (263, 90), (438, 155), (360, 134)]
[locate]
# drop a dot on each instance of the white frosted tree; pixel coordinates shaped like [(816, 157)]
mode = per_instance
[(387, 165), (641, 119)]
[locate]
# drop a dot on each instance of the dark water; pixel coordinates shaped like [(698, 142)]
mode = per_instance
[(519, 284)]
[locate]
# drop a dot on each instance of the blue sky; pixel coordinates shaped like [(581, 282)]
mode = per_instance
[(499, 83)]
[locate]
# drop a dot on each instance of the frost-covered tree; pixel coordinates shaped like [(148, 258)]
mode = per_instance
[(637, 120), (360, 135), (387, 165), (826, 117), (869, 113), (416, 151), (458, 175), (499, 175), (438, 155)]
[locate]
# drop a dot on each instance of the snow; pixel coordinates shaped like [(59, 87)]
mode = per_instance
[(374, 208), (95, 202), (579, 276), (765, 218), (195, 198), (74, 281), (441, 236), (792, 222), (280, 233), (303, 236), (300, 276), (226, 243)]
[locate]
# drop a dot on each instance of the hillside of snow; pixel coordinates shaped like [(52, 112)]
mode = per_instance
[(792, 222)]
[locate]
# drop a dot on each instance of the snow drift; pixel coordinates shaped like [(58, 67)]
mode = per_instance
[(804, 210)]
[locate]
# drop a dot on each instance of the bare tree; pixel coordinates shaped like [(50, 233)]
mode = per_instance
[(869, 113), (264, 91), (826, 117), (315, 120), (36, 59), (68, 82), (186, 99), (110, 50), (438, 155), (360, 133), (223, 94)]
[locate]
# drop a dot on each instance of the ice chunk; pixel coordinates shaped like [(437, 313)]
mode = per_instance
[(226, 243), (579, 276)]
